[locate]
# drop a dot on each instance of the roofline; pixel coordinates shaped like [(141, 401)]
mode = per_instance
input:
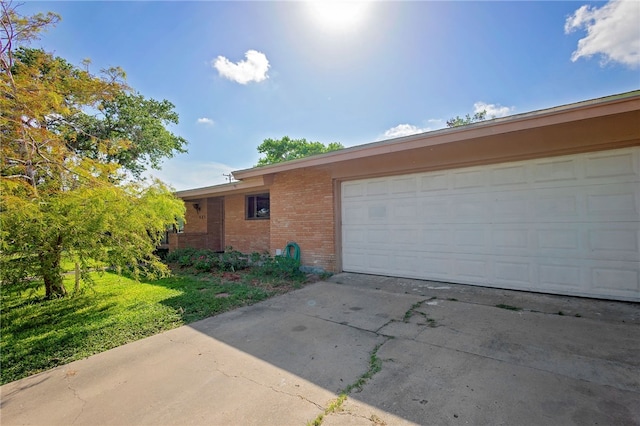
[(224, 188), (613, 104)]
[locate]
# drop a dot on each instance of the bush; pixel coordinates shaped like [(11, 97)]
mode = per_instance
[(181, 256), (233, 260), (281, 267), (206, 260)]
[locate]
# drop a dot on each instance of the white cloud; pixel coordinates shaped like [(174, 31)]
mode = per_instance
[(403, 130), (493, 110), (254, 68), (613, 31), (205, 121), (184, 174)]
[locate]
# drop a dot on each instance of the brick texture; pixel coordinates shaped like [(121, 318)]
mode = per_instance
[(203, 227), (244, 235), (302, 212)]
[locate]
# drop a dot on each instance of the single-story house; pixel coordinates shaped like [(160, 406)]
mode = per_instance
[(545, 201)]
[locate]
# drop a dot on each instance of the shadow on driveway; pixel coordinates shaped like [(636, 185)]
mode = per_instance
[(408, 351)]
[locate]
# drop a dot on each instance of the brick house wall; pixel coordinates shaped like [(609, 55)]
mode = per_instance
[(196, 221), (302, 212), (244, 235), (203, 228)]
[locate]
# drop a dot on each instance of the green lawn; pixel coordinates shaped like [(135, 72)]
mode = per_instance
[(38, 334)]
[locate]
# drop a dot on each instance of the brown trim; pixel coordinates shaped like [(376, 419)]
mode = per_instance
[(255, 184), (617, 104)]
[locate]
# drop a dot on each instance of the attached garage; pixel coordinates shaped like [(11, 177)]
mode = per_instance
[(545, 201), (565, 225)]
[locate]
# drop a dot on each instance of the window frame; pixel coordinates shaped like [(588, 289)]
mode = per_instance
[(252, 200)]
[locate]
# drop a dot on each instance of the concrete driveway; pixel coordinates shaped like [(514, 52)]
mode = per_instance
[(422, 352)]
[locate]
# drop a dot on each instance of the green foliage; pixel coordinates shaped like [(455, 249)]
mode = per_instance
[(39, 333), (281, 267), (468, 119), (63, 172), (285, 149), (263, 266), (204, 260), (134, 124)]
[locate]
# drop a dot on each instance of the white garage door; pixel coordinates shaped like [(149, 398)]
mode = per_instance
[(565, 225)]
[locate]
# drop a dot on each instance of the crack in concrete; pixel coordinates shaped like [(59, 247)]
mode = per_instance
[(241, 377), (375, 366), (264, 385), (68, 374), (374, 419)]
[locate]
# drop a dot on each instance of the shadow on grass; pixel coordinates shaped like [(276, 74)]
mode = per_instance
[(43, 334), (206, 295)]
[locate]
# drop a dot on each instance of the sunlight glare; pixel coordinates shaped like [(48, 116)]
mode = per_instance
[(339, 16)]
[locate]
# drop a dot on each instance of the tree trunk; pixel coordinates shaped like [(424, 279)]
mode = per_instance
[(51, 271)]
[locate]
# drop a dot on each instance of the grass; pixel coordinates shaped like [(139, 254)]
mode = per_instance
[(39, 334)]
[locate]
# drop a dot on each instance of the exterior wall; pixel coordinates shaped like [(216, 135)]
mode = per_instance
[(196, 221), (302, 212), (203, 227), (244, 235)]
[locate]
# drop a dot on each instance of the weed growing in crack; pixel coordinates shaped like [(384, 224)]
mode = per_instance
[(431, 322), (375, 365), (410, 312), (508, 307), (334, 406)]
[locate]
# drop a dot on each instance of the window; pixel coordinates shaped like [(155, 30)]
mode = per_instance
[(179, 228), (258, 206)]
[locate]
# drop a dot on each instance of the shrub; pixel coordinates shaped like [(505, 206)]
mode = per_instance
[(233, 260), (281, 267), (181, 256), (206, 260)]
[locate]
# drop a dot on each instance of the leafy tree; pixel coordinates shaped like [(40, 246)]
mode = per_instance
[(66, 186), (138, 124), (467, 119), (285, 149)]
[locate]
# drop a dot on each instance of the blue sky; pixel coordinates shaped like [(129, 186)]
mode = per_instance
[(240, 72)]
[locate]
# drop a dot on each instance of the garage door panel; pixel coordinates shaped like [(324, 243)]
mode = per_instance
[(406, 237), (472, 269), (567, 225), (510, 176), (558, 170), (618, 243), (469, 178), (613, 201), (470, 237), (618, 164)]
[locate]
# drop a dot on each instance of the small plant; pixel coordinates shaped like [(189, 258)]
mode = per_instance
[(233, 260), (410, 312), (508, 307), (181, 256), (281, 267), (206, 261)]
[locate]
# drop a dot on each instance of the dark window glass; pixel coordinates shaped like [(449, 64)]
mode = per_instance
[(258, 206)]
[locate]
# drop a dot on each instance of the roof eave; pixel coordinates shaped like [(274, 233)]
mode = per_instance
[(579, 111)]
